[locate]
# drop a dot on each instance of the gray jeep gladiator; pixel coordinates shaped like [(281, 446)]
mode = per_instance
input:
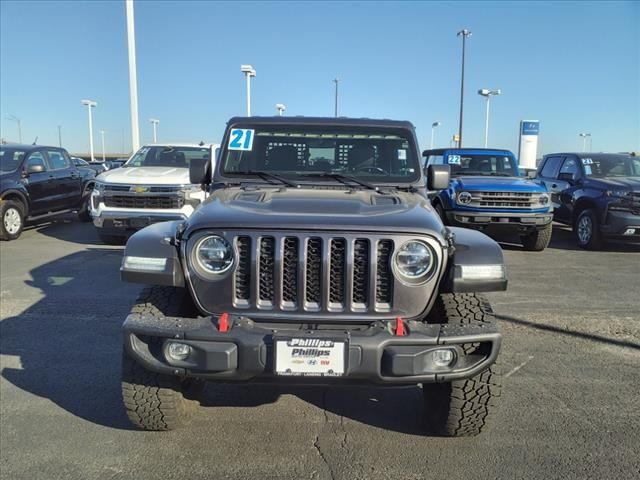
[(318, 259)]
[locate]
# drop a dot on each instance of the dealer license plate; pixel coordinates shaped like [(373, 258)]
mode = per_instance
[(308, 356)]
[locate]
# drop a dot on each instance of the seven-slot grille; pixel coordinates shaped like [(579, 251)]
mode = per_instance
[(310, 273), (504, 200)]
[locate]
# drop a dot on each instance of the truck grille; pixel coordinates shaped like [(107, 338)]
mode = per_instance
[(524, 200), (309, 273), (144, 201)]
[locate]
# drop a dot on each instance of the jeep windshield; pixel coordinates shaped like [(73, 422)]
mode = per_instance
[(167, 156), (10, 158), (323, 153), (490, 165), (600, 166)]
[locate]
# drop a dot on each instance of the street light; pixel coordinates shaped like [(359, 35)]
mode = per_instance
[(464, 34), (584, 141), (13, 118), (249, 72), (485, 92), (103, 154), (434, 125), (155, 122), (60, 136), (281, 108), (335, 111), (90, 104), (133, 76)]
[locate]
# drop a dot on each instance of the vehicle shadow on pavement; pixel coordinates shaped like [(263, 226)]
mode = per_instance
[(66, 347), (564, 239), (572, 333), (84, 233)]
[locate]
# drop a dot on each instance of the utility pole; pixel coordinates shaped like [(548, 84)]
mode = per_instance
[(13, 118), (464, 34), (133, 76), (249, 72), (60, 136), (102, 135), (155, 122), (336, 81), (90, 104)]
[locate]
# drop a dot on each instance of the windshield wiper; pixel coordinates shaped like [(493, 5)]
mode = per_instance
[(342, 178), (270, 176)]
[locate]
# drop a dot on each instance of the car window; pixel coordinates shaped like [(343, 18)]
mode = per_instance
[(481, 164), (435, 160), (551, 166), (167, 156), (570, 165), (57, 160), (80, 162), (10, 159), (36, 158)]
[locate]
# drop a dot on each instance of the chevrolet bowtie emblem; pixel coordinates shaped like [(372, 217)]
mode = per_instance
[(138, 189)]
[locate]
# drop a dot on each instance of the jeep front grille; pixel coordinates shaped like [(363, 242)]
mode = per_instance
[(505, 200), (308, 273)]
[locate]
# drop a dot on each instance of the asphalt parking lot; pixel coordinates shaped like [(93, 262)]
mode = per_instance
[(571, 403)]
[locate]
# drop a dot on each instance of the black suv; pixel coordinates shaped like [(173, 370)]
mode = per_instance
[(316, 259), (37, 181), (598, 194)]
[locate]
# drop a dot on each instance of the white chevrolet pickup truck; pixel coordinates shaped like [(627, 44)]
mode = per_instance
[(152, 186)]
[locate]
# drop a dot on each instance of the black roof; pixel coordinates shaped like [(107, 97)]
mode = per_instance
[(28, 148), (475, 149), (335, 121), (588, 154)]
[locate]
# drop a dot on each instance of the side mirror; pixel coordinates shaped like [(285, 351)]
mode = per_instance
[(568, 177), (200, 171), (35, 169), (438, 177), (531, 174)]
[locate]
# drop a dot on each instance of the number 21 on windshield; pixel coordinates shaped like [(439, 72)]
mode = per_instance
[(240, 139)]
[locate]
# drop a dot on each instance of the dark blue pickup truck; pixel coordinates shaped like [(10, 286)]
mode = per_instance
[(487, 193)]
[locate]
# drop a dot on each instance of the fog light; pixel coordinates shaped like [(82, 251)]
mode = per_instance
[(178, 351), (443, 357), (629, 231)]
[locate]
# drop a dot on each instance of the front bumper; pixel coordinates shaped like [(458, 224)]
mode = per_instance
[(499, 222), (245, 351), (123, 219), (621, 225)]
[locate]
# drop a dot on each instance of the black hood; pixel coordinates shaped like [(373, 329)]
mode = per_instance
[(316, 208), (632, 184)]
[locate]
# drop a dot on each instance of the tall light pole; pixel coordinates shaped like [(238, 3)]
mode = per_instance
[(155, 122), (281, 107), (464, 34), (103, 154), (434, 125), (133, 77), (249, 72), (60, 136), (13, 118), (485, 92), (584, 140), (90, 104), (335, 110)]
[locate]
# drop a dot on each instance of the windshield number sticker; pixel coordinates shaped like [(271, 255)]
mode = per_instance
[(587, 161), (241, 139), (453, 160)]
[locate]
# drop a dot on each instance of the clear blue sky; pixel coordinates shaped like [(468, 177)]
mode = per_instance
[(575, 66)]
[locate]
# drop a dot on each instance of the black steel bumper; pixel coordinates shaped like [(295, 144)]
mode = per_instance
[(621, 225), (375, 354), (502, 222)]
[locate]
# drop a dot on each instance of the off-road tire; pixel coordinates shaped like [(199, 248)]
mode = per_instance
[(594, 242), (440, 211), (462, 407), (538, 240), (17, 208), (84, 214), (155, 401), (112, 239)]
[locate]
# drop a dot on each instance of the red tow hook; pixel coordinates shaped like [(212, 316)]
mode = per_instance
[(400, 330), (223, 323)]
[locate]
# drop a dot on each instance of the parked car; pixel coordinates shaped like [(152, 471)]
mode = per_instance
[(153, 186), (317, 259), (117, 163), (598, 194), (38, 181), (97, 167), (488, 193)]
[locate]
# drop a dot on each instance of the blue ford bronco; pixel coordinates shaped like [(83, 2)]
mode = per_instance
[(487, 193)]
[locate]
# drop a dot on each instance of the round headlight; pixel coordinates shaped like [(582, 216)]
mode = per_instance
[(214, 254), (414, 260), (544, 199)]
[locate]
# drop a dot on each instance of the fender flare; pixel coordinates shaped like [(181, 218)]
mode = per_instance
[(24, 198)]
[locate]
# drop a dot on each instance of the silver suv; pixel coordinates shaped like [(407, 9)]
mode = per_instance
[(152, 186)]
